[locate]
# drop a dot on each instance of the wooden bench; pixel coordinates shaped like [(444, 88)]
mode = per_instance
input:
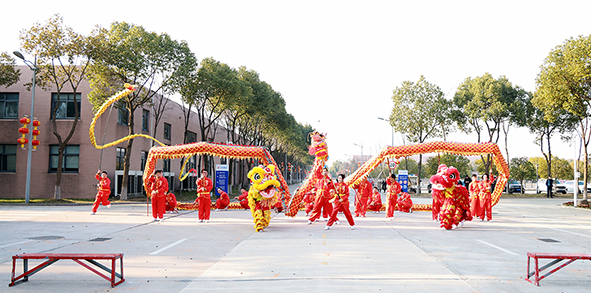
[(557, 258), (77, 257)]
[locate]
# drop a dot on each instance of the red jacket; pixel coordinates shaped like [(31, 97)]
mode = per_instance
[(160, 185), (104, 185), (342, 195), (204, 187)]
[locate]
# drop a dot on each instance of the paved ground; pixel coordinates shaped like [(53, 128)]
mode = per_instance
[(409, 254)]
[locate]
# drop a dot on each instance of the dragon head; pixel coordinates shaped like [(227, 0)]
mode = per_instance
[(318, 146), (446, 177), (264, 181)]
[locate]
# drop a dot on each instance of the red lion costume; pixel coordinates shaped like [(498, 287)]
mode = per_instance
[(455, 207)]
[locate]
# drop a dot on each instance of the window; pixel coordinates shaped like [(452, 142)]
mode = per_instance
[(71, 158), (145, 120), (8, 105), (191, 137), (7, 157), (166, 167), (120, 159), (143, 158), (166, 131), (123, 115), (66, 107)]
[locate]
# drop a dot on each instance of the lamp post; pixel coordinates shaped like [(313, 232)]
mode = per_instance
[(32, 66), (392, 128), (537, 180), (361, 146)]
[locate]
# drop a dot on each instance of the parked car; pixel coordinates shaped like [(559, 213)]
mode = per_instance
[(569, 187), (514, 187)]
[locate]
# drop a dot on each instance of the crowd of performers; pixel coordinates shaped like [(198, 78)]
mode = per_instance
[(453, 204)]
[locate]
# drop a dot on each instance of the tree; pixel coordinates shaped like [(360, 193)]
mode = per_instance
[(130, 54), (537, 124), (459, 162), (561, 168), (485, 103), (522, 169), (63, 57), (564, 82), (418, 109), (9, 75)]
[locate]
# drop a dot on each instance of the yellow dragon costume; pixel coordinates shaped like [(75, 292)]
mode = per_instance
[(261, 195)]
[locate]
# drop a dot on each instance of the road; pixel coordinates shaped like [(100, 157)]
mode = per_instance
[(409, 254)]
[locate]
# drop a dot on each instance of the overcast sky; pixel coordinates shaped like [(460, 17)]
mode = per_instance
[(336, 63)]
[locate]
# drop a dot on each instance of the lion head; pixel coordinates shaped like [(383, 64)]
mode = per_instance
[(264, 181)]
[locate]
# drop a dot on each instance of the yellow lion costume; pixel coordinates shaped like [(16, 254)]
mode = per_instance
[(262, 195)]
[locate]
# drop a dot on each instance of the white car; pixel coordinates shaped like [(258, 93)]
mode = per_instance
[(570, 187)]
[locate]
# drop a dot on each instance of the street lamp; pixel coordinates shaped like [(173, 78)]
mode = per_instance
[(537, 180), (32, 66), (392, 129), (361, 146)]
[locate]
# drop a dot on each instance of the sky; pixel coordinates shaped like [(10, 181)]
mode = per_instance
[(336, 63)]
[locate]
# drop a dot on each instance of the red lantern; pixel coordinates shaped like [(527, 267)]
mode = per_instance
[(35, 133), (25, 121), (23, 130), (22, 141)]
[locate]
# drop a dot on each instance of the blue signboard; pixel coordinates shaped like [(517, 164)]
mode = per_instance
[(221, 178), (403, 180)]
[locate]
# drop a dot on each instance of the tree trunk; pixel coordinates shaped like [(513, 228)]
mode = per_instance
[(127, 157), (585, 171), (58, 175)]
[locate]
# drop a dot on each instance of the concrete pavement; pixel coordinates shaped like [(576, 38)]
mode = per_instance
[(409, 254)]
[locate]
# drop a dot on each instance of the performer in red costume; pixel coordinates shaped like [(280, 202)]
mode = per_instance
[(204, 186), (376, 201), (363, 194), (171, 203), (309, 200), (243, 198), (485, 198), (222, 202), (159, 190), (438, 197), (405, 203), (324, 186), (474, 190), (341, 203), (394, 189), (104, 190)]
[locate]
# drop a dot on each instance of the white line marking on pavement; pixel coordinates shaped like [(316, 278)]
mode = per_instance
[(15, 243), (169, 246), (560, 230), (499, 248)]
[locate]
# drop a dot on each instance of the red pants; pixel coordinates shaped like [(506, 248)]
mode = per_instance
[(391, 207), (204, 207), (375, 207), (158, 206), (221, 204), (341, 207), (309, 207), (485, 207), (436, 208), (322, 202), (244, 204), (101, 198), (327, 210), (360, 206), (475, 206)]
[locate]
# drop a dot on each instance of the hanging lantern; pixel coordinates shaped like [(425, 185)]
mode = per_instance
[(23, 131), (36, 132)]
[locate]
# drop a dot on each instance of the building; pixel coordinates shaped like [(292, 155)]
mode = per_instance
[(81, 158)]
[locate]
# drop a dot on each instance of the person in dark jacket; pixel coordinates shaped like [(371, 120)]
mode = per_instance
[(549, 184)]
